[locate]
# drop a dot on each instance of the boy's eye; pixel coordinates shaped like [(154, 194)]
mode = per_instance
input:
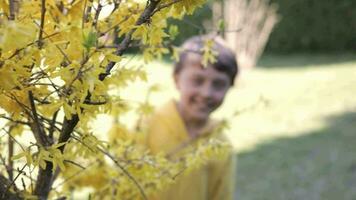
[(219, 84), (197, 81)]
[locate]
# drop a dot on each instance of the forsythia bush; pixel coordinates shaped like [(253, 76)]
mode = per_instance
[(58, 61)]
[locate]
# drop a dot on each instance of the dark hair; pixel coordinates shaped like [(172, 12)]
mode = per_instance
[(225, 60)]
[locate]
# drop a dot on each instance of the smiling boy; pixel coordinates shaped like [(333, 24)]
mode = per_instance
[(202, 90)]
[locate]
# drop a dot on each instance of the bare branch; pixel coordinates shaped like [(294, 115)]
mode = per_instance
[(37, 126), (52, 126), (166, 5), (4, 192), (86, 13), (10, 166), (75, 174), (13, 7), (125, 172), (67, 128), (61, 50), (17, 142), (116, 5), (97, 13), (94, 103), (13, 181), (15, 121), (43, 14), (144, 17), (44, 178)]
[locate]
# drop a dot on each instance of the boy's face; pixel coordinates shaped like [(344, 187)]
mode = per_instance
[(202, 90)]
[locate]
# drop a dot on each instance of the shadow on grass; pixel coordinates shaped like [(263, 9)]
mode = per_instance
[(320, 165), (305, 60)]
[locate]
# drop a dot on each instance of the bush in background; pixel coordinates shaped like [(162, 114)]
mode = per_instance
[(314, 25)]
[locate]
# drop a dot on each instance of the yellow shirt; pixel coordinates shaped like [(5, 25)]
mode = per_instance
[(213, 181)]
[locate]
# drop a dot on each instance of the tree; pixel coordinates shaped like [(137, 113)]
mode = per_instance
[(58, 61), (248, 25)]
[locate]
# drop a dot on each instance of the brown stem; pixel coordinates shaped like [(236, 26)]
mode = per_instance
[(45, 176), (10, 154), (125, 172), (144, 17), (165, 6), (43, 14), (52, 126), (13, 7), (4, 192), (86, 14), (36, 125), (97, 13), (12, 183), (67, 128), (15, 121), (43, 186)]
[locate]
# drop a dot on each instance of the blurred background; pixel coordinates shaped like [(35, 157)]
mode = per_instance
[(292, 111)]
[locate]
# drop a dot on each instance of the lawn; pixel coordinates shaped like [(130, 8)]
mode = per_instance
[(301, 144), (295, 128)]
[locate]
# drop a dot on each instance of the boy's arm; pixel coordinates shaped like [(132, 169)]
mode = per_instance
[(222, 179)]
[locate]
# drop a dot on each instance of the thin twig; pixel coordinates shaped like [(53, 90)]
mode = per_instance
[(166, 5), (30, 44), (97, 13), (17, 142), (15, 121), (125, 172), (43, 14), (13, 181), (62, 52), (144, 18), (10, 154), (85, 15), (75, 174)]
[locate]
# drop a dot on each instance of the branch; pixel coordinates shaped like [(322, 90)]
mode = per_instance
[(5, 186), (86, 13), (125, 172), (44, 178), (67, 128), (14, 139), (30, 44), (15, 121), (10, 154), (116, 5), (4, 192), (86, 101), (62, 52), (97, 13), (144, 17), (37, 127), (166, 5), (74, 175), (43, 14), (13, 7), (52, 126)]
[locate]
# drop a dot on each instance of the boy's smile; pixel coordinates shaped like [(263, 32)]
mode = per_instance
[(202, 90)]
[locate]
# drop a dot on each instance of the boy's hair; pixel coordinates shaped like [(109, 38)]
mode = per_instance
[(225, 60)]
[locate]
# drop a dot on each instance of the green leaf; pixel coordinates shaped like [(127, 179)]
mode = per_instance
[(18, 156), (89, 40)]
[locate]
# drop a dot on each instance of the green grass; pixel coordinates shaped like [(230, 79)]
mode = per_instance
[(302, 143), (295, 134)]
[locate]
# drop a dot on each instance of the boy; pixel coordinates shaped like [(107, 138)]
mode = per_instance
[(181, 123)]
